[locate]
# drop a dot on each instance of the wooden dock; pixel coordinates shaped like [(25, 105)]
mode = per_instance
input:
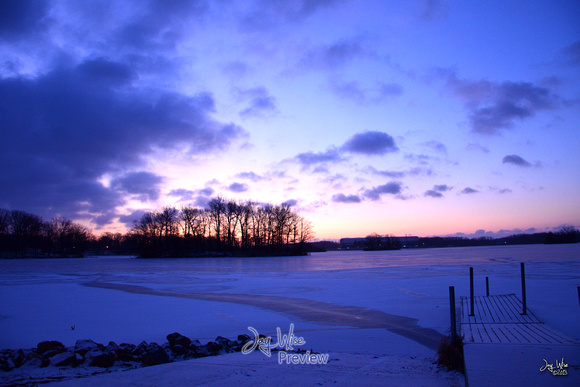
[(499, 319), (502, 346)]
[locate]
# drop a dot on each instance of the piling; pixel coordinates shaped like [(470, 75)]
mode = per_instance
[(452, 313), (487, 286), (523, 275), (471, 292)]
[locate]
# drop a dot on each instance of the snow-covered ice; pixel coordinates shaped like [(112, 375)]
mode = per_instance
[(42, 299)]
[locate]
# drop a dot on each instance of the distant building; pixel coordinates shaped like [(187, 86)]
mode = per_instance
[(406, 242)]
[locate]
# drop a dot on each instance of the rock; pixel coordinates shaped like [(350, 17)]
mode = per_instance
[(33, 359), (155, 355), (104, 360), (53, 346), (178, 349), (178, 339), (140, 350), (6, 362), (64, 359), (226, 344), (243, 339), (124, 353), (112, 347), (214, 348), (19, 357), (84, 346)]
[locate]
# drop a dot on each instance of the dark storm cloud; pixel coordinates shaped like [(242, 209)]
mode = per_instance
[(342, 198), (238, 187), (493, 107), (65, 129), (260, 102), (370, 143), (21, 18), (391, 188), (516, 160), (144, 184), (352, 90), (469, 190)]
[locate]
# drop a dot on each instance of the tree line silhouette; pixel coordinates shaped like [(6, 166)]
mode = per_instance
[(223, 227), (23, 234)]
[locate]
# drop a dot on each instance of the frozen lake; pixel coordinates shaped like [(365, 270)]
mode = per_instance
[(203, 298)]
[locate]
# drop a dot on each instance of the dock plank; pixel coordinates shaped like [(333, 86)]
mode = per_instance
[(498, 319), (499, 332)]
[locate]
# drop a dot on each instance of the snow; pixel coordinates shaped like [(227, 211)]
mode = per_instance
[(42, 299)]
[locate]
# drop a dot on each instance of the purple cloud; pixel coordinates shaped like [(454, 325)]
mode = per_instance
[(342, 198), (391, 188), (516, 160), (370, 143)]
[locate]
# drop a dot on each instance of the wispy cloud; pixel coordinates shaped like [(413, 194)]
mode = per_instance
[(308, 159), (354, 91), (252, 176), (436, 146), (260, 102), (433, 10), (570, 55), (469, 191), (335, 55)]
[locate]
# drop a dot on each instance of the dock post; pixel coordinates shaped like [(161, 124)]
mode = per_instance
[(452, 313), (523, 274), (471, 292), (487, 286)]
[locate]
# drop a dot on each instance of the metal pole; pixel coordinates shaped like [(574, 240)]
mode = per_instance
[(471, 292), (523, 273), (452, 313), (487, 286)]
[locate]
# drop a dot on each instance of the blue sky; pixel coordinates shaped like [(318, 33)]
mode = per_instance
[(395, 117)]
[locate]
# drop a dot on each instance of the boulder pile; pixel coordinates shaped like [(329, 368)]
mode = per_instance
[(92, 354)]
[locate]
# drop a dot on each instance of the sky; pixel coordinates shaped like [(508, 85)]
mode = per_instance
[(395, 117)]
